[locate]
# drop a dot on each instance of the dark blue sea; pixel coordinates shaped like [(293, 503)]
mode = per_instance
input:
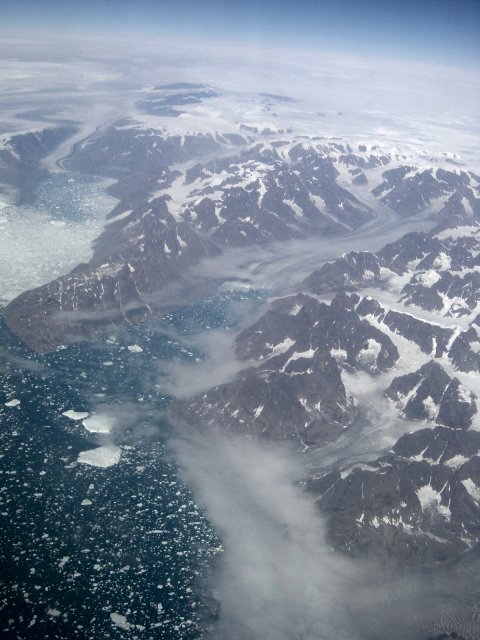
[(102, 552)]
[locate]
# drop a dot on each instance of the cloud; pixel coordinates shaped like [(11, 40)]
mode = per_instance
[(217, 366), (278, 579)]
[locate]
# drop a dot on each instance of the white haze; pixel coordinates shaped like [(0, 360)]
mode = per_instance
[(278, 578), (93, 80), (217, 365), (282, 266)]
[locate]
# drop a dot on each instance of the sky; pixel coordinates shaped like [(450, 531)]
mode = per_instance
[(438, 31)]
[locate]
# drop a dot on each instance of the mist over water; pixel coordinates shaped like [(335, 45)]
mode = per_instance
[(278, 578)]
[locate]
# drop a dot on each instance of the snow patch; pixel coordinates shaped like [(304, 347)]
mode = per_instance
[(442, 262), (281, 347), (369, 354), (431, 499), (294, 310), (339, 354), (458, 232), (428, 278), (472, 489), (456, 461), (430, 407), (258, 411)]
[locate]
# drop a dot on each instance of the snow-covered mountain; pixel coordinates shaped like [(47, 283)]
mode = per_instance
[(404, 318), (420, 501), (184, 197)]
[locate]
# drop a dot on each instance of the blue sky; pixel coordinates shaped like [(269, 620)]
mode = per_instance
[(440, 31)]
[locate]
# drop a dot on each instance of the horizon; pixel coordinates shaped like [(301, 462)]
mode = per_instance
[(436, 32)]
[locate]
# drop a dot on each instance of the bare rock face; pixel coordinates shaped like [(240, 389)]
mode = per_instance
[(408, 190), (151, 249), (247, 196), (222, 191), (419, 504), (20, 158), (352, 271), (309, 323), (295, 397), (431, 394), (296, 391)]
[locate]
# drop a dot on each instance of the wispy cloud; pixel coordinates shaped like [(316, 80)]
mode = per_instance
[(278, 578)]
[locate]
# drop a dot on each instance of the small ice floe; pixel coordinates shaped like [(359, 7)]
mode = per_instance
[(13, 403), (122, 622), (75, 415), (99, 423), (105, 456), (135, 348)]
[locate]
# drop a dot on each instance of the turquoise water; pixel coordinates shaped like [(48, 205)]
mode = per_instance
[(80, 544)]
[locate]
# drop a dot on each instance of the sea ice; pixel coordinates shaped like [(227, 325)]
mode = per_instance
[(105, 456), (75, 415), (99, 423), (12, 403)]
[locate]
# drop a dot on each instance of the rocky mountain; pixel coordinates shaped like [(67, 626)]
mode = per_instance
[(187, 196), (417, 504), (419, 501), (431, 394), (406, 317), (431, 277), (408, 190), (295, 391), (21, 155)]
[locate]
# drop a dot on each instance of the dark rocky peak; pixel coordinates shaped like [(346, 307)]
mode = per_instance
[(431, 394), (309, 324), (452, 179), (300, 399), (465, 350), (369, 306), (353, 270), (454, 294), (21, 155), (449, 256), (409, 190), (119, 150), (432, 339), (419, 504), (411, 247), (440, 445), (364, 162)]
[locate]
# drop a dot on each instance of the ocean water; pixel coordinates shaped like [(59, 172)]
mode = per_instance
[(119, 551), (102, 552)]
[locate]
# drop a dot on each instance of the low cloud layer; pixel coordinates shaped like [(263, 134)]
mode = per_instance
[(278, 579), (217, 366)]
